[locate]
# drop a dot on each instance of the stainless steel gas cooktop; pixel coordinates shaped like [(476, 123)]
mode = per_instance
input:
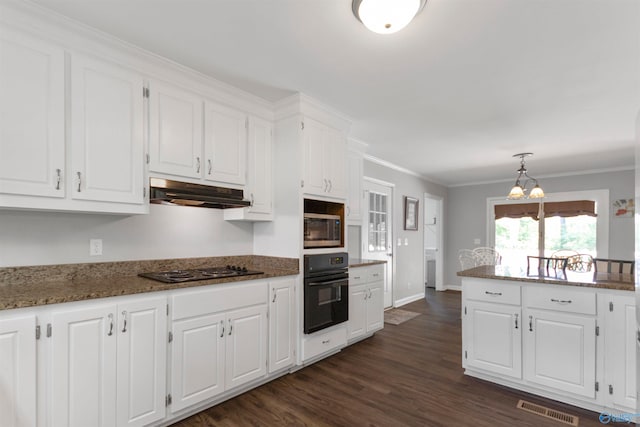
[(177, 276)]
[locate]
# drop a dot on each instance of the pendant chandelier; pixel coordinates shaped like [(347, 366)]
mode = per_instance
[(520, 188), (386, 16)]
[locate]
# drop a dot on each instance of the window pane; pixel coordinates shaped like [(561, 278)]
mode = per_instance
[(577, 233), (515, 239)]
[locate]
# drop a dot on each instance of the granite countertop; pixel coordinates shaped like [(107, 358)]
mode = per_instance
[(359, 262), (52, 284), (623, 282)]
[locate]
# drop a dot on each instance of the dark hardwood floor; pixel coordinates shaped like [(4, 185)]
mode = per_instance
[(405, 375)]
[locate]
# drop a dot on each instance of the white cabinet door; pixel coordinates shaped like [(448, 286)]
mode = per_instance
[(175, 131), (106, 132), (246, 345), (493, 338), (225, 144), (18, 371), (315, 181), (32, 145), (142, 349), (260, 164), (335, 163), (621, 351), (356, 194), (83, 367), (560, 351), (357, 324), (375, 307), (281, 325), (197, 362)]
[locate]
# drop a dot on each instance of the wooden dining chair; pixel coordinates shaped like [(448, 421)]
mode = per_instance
[(546, 266), (604, 265)]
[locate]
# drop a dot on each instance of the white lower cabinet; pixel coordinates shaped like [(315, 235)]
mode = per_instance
[(281, 324), (219, 341), (560, 351), (493, 338), (366, 304), (18, 371), (573, 344), (620, 351), (108, 363)]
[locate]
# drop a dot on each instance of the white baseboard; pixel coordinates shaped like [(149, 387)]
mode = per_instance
[(407, 300)]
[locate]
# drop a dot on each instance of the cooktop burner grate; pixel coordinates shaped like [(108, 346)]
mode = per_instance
[(177, 276)]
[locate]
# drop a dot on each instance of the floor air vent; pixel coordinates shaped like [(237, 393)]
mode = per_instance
[(571, 420)]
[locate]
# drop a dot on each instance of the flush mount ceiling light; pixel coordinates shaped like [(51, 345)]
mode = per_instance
[(519, 189), (386, 16)]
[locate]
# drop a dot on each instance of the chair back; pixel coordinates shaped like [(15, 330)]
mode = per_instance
[(580, 263), (466, 258), (564, 253), (486, 256), (547, 266), (604, 265)]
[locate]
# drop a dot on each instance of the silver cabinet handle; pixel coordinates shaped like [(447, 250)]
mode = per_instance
[(251, 199), (326, 341), (516, 321), (222, 326), (58, 178), (365, 296), (197, 164), (230, 327), (376, 274), (561, 301), (326, 185), (369, 293), (209, 166), (79, 181), (530, 323), (330, 186), (110, 316), (348, 210), (124, 318), (356, 277), (274, 296), (493, 293)]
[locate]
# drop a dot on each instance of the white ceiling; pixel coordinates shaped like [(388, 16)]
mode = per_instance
[(452, 97)]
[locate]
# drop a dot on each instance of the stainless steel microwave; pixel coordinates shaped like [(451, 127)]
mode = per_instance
[(322, 230)]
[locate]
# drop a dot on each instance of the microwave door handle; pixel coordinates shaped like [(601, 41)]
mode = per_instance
[(329, 283)]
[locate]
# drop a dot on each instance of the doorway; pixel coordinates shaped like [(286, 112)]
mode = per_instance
[(377, 239), (433, 277)]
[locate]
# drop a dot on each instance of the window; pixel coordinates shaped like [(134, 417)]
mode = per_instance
[(377, 222), (559, 222)]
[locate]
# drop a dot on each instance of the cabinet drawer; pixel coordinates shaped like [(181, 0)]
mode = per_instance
[(316, 345), (359, 275), (503, 293), (215, 298), (561, 298)]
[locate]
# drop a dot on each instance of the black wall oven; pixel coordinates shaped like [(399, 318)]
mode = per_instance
[(326, 290)]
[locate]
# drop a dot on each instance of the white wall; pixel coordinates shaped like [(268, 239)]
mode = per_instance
[(409, 260), (39, 238), (466, 219)]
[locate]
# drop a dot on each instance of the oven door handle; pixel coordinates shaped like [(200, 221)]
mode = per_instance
[(328, 283)]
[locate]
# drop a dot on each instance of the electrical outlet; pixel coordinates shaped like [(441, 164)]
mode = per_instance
[(406, 241), (399, 241), (95, 247)]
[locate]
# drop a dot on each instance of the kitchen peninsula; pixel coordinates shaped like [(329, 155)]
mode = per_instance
[(570, 339)]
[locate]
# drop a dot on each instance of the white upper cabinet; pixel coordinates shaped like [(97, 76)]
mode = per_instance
[(107, 131), (32, 155), (259, 187), (175, 122), (225, 144), (356, 194), (325, 159)]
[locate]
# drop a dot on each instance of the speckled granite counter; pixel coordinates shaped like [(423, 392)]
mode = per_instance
[(359, 262), (623, 282), (53, 284)]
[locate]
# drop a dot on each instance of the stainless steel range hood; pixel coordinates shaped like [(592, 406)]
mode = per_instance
[(167, 192)]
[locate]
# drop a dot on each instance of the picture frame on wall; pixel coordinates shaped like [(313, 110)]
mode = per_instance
[(410, 213)]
